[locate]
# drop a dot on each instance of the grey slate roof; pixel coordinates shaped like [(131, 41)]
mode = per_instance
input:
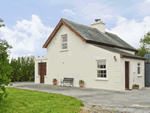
[(92, 34), (125, 54)]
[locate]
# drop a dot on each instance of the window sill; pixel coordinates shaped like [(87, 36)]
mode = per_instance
[(139, 75), (64, 50), (101, 78)]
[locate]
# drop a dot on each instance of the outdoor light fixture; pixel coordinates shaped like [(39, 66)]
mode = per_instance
[(115, 58)]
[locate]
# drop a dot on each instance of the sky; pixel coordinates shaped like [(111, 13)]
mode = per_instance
[(28, 23)]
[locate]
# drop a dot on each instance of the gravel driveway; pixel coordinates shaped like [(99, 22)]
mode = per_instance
[(96, 100)]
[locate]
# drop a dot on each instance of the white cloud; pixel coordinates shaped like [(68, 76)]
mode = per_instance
[(147, 1), (24, 35), (143, 8), (131, 31), (68, 12), (92, 10)]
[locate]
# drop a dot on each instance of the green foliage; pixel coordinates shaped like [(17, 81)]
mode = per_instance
[(146, 39), (28, 101), (2, 25), (54, 79), (81, 81), (135, 85), (23, 68), (145, 42), (5, 68), (142, 51)]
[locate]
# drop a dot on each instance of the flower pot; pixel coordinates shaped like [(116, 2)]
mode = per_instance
[(81, 84), (54, 82), (135, 87)]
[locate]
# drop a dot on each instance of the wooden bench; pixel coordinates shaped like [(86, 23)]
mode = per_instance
[(67, 80)]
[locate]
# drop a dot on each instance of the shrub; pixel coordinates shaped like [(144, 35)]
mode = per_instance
[(135, 85), (54, 79), (81, 81)]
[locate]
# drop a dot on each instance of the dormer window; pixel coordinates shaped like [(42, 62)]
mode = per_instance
[(64, 42)]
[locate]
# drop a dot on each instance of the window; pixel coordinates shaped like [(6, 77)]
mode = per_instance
[(138, 68), (64, 42), (101, 69)]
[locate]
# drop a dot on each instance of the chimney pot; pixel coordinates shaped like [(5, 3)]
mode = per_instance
[(96, 20)]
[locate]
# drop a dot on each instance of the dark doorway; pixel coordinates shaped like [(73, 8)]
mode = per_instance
[(42, 71), (126, 75)]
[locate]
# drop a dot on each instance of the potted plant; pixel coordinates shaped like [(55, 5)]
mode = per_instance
[(54, 81), (81, 83), (135, 86)]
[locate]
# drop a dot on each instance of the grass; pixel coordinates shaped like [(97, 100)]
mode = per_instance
[(28, 101)]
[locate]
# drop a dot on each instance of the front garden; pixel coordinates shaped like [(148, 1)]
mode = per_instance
[(27, 101)]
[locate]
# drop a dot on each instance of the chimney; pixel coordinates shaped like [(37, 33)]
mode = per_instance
[(98, 24)]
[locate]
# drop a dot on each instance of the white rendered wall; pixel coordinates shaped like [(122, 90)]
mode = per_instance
[(134, 78), (80, 62)]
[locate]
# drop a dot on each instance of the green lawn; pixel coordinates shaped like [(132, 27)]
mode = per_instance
[(27, 101)]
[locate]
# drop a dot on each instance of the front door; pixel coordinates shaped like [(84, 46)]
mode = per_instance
[(126, 75), (42, 72)]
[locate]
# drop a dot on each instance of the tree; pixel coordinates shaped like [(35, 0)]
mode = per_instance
[(145, 45), (23, 68), (5, 69), (142, 51), (1, 20)]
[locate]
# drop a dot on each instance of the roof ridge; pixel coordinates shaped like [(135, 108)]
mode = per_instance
[(78, 23), (111, 33)]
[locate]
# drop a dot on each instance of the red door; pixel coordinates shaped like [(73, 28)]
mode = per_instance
[(42, 72), (127, 75)]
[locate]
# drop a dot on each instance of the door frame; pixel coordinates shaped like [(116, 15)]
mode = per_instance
[(39, 70), (128, 75)]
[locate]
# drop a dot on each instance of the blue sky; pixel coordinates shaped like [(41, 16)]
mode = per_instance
[(30, 22)]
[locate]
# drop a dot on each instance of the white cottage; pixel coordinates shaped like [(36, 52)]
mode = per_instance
[(102, 59)]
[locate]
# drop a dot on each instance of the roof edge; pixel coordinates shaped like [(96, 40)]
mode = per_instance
[(61, 22), (100, 43), (124, 56)]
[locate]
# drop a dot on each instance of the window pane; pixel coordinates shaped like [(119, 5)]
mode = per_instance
[(105, 71), (64, 46), (138, 70), (105, 75), (104, 66), (98, 75), (98, 72), (138, 64), (102, 71), (101, 64), (102, 75), (64, 38), (98, 66)]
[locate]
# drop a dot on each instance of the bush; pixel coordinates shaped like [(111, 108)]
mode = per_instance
[(54, 79), (81, 81), (135, 85)]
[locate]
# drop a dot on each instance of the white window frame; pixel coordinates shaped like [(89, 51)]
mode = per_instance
[(64, 42), (98, 69), (137, 68)]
